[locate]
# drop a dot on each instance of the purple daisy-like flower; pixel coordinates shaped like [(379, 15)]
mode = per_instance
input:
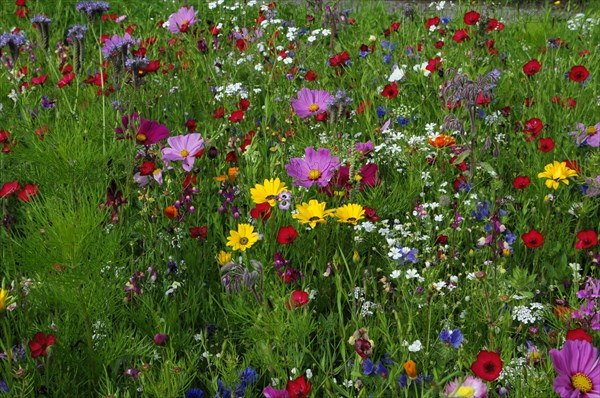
[(271, 392), (181, 20), (469, 387), (92, 8), (311, 102), (77, 32), (578, 370), (587, 135), (184, 147), (317, 167), (150, 132)]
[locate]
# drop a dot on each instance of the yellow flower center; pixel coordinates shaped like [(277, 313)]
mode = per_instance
[(314, 218), (591, 130), (270, 197), (185, 22), (581, 382), (156, 171), (465, 392), (358, 177), (313, 107), (141, 137), (314, 174), (243, 241), (184, 153), (351, 219)]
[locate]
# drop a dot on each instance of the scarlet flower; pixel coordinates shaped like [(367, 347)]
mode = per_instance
[(546, 144), (532, 67), (578, 73), (171, 212), (339, 59), (39, 80), (487, 366), (9, 188), (370, 214), (198, 232), (66, 79), (471, 17), (310, 76), (390, 90), (262, 211), (29, 191), (298, 299), (242, 45), (432, 22), (286, 235), (219, 113), (441, 141), (236, 116), (482, 100), (573, 165), (40, 344), (586, 239), (298, 388), (532, 239), (460, 36), (532, 129), (243, 105), (578, 334), (521, 182)]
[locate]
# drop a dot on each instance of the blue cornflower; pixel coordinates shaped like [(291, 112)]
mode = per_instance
[(445, 20), (403, 380), (403, 121), (483, 211), (194, 393), (387, 58), (387, 45), (453, 338), (381, 369), (368, 367), (381, 111)]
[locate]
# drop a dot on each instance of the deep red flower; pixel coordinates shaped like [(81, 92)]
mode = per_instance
[(370, 214), (578, 334), (432, 22), (236, 116), (298, 299), (434, 64), (4, 135), (40, 344), (262, 211), (243, 105), (521, 182), (9, 188), (532, 128), (286, 235), (21, 3), (578, 73), (219, 113), (532, 67), (573, 165), (241, 44), (487, 366), (29, 191), (390, 90), (546, 144), (586, 239), (310, 76), (298, 388), (493, 24), (441, 239), (460, 36), (99, 79), (198, 232), (532, 239), (339, 59), (482, 100), (66, 79), (471, 17), (39, 80)]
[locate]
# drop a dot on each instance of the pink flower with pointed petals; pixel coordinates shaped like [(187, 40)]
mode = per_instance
[(311, 102), (181, 20), (150, 132), (317, 167), (184, 147), (577, 368)]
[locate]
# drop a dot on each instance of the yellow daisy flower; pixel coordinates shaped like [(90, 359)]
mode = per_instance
[(223, 257), (243, 238), (4, 297), (350, 213), (312, 213), (267, 192), (556, 173)]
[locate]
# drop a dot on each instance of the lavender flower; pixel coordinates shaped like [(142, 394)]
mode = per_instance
[(311, 102), (76, 34), (117, 44), (42, 22), (92, 8), (181, 20), (317, 167), (14, 41)]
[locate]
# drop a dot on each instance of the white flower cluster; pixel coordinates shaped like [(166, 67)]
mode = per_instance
[(528, 314), (231, 90), (583, 24)]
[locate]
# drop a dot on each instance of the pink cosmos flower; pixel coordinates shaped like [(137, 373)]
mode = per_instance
[(317, 167), (182, 19), (184, 147), (311, 102), (150, 132), (587, 135), (577, 367)]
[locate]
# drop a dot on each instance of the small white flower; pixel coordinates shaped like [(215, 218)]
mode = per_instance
[(415, 346)]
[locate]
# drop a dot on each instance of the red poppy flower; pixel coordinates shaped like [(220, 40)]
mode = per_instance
[(460, 36), (586, 239), (532, 128), (198, 232), (310, 76), (9, 188), (339, 59), (493, 24), (487, 366), (521, 182), (578, 73), (29, 191), (482, 100), (243, 105), (262, 211), (39, 80), (546, 144), (298, 388), (471, 18), (432, 22), (532, 67), (40, 344), (219, 113), (66, 79), (390, 90), (578, 334), (171, 212), (370, 214), (298, 299), (236, 116), (242, 45), (532, 239), (286, 235)]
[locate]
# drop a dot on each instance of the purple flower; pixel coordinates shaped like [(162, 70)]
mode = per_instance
[(77, 32), (578, 370), (184, 147), (12, 39), (92, 8), (117, 45), (40, 19), (161, 339), (311, 102), (453, 338), (364, 148), (150, 132), (182, 19), (587, 135), (316, 167), (270, 392)]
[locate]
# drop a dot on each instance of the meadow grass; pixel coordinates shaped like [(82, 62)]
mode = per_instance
[(123, 272)]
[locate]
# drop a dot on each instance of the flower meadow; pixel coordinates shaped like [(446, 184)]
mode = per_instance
[(273, 199)]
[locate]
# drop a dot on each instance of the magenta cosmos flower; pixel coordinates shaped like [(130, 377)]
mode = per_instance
[(182, 19), (578, 370), (184, 147), (471, 387), (150, 132), (317, 167), (311, 102)]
